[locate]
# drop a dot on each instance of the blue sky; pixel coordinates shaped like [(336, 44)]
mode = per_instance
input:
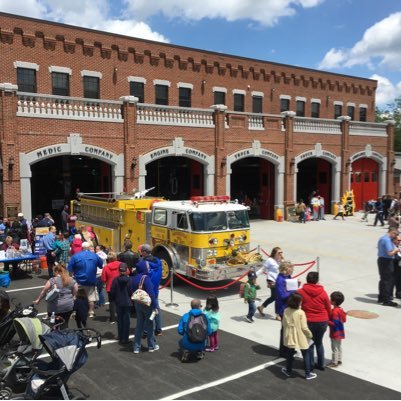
[(353, 37)]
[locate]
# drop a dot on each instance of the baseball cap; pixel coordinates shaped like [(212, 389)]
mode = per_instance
[(20, 214), (123, 268), (251, 275)]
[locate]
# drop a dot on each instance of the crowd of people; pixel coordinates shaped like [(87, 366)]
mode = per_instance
[(305, 313)]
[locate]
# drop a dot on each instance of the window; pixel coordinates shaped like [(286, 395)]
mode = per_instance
[(91, 87), (362, 113), (338, 110), (351, 112), (366, 176), (300, 112), (160, 217), (239, 102), (182, 221), (26, 80), (60, 84), (161, 94), (284, 105), (137, 89), (257, 104), (315, 110), (219, 97), (184, 97)]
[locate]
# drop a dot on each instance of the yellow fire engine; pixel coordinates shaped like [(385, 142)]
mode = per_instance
[(206, 237)]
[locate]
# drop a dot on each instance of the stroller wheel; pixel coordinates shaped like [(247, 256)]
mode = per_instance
[(5, 393)]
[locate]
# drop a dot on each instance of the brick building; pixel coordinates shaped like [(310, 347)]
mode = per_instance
[(83, 110)]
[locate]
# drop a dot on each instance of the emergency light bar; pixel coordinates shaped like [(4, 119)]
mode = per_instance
[(217, 198)]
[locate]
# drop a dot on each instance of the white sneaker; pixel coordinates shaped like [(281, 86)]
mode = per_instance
[(156, 348)]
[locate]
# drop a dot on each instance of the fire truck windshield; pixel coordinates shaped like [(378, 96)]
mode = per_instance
[(219, 221)]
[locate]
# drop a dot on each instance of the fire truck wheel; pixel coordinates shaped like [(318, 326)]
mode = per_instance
[(166, 266)]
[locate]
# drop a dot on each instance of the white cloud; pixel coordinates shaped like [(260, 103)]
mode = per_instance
[(86, 13), (386, 91), (380, 45), (264, 12)]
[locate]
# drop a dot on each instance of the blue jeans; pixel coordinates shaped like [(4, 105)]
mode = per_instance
[(251, 308), (318, 329), (289, 355), (272, 297), (143, 323), (158, 322), (99, 286), (123, 322)]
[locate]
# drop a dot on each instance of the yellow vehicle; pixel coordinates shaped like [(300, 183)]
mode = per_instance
[(206, 237)]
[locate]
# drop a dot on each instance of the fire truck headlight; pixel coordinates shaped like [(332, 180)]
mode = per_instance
[(213, 241), (210, 252), (214, 252), (201, 262)]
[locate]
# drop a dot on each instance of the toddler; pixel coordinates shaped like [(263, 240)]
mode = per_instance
[(337, 319), (212, 313), (81, 308), (250, 295)]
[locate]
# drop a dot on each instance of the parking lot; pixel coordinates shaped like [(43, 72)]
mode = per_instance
[(247, 365)]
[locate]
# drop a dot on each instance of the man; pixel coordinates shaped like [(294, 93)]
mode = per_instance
[(84, 266), (397, 268), (64, 218), (23, 221), (155, 274), (186, 345), (379, 212), (385, 262), (49, 244), (47, 221), (129, 257)]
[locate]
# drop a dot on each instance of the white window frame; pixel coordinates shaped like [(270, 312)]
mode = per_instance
[(87, 73), (137, 79), (185, 85), (162, 82), (61, 70), (24, 64)]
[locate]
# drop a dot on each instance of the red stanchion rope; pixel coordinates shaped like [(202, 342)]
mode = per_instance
[(165, 284), (211, 288), (302, 272)]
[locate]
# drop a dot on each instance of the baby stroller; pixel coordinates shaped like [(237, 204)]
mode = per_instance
[(7, 328), (16, 364), (67, 349)]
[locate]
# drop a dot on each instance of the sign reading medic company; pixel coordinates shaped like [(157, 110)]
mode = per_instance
[(60, 149)]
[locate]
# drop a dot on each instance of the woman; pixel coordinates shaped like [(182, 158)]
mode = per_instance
[(63, 305), (143, 312), (270, 267), (286, 269), (317, 307), (12, 247), (109, 273)]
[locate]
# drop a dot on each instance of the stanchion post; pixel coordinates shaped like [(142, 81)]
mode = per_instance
[(318, 264), (259, 249), (171, 304)]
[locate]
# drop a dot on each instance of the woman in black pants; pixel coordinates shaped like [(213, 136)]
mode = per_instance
[(270, 268)]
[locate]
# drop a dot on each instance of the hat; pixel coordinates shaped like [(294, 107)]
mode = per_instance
[(20, 214), (142, 267), (123, 268), (86, 244), (146, 248), (251, 275), (77, 236)]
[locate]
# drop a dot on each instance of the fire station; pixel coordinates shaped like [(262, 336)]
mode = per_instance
[(90, 111)]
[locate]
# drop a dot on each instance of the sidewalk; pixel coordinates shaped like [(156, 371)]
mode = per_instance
[(347, 252)]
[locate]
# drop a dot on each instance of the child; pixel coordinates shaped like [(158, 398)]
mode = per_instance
[(336, 323), (340, 211), (213, 315), (296, 335), (81, 308), (250, 295)]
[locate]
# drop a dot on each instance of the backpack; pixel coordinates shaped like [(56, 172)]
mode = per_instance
[(197, 328)]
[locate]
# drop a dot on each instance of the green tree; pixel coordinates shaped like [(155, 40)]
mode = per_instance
[(392, 111)]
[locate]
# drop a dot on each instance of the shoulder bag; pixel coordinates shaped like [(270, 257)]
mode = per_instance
[(140, 296), (52, 295)]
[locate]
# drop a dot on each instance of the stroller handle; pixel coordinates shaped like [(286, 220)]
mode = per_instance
[(90, 334)]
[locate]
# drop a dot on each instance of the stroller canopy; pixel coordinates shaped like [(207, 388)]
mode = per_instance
[(66, 346), (29, 329)]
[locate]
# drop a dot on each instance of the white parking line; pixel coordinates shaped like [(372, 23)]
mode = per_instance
[(25, 289), (223, 380)]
